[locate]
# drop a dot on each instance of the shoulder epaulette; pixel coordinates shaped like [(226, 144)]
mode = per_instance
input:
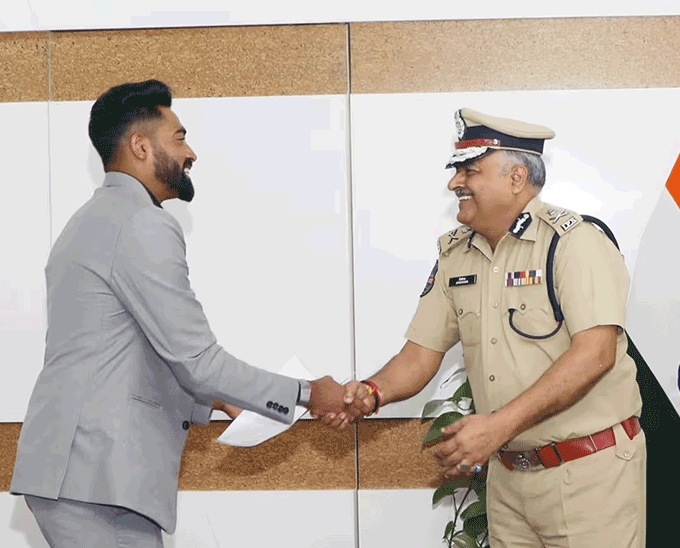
[(561, 220), (452, 238)]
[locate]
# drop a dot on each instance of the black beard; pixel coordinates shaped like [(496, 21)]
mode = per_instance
[(172, 174)]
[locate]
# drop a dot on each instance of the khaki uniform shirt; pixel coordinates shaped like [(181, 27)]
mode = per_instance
[(471, 290)]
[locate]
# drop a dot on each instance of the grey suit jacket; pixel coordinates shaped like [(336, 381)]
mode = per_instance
[(130, 362)]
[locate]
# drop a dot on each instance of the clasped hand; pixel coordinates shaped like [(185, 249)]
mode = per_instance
[(468, 443), (339, 405)]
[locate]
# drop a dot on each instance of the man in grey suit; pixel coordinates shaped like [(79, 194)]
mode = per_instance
[(130, 360)]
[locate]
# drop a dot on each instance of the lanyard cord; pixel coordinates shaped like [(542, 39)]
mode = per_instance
[(550, 281)]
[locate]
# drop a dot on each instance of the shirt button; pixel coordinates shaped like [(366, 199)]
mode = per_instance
[(186, 425), (522, 306), (495, 304), (460, 311), (492, 378), (496, 270), (626, 454), (494, 340)]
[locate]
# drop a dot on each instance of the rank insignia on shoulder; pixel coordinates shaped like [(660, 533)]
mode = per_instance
[(452, 238), (555, 214), (559, 219), (457, 281), (523, 277), (566, 225), (430, 280)]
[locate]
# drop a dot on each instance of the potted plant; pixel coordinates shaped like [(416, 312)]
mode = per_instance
[(469, 527)]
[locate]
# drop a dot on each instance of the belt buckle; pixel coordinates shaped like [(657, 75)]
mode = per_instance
[(523, 462)]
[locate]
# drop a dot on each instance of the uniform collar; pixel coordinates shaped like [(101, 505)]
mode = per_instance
[(116, 178), (526, 225), (480, 243)]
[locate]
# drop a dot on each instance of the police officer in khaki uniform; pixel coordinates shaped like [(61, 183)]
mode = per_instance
[(557, 404)]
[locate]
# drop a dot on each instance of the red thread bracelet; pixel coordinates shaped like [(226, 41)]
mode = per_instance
[(375, 391)]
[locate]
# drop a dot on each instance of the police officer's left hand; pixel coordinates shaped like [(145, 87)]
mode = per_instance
[(470, 441)]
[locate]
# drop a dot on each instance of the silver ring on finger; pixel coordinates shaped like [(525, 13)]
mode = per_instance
[(477, 469)]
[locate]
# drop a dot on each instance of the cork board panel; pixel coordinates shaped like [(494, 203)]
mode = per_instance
[(391, 455), (9, 434), (308, 456), (581, 53), (203, 62), (24, 71)]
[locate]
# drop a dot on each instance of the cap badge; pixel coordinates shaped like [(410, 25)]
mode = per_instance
[(460, 124)]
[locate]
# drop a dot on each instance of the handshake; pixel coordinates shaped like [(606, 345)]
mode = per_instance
[(333, 404), (337, 405)]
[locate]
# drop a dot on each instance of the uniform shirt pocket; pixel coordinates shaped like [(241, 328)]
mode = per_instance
[(533, 314), (467, 302)]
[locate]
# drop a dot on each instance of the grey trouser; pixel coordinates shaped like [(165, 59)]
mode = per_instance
[(72, 524)]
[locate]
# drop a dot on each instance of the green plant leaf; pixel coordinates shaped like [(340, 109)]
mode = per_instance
[(447, 419), (431, 408), (463, 540), (479, 486), (464, 391), (449, 529), (477, 508), (449, 489), (476, 525)]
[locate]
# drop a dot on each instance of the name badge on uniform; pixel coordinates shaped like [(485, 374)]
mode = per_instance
[(523, 277), (463, 280)]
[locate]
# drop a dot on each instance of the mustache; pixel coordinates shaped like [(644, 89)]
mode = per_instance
[(463, 192)]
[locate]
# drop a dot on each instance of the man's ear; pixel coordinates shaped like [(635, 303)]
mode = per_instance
[(519, 178), (140, 146)]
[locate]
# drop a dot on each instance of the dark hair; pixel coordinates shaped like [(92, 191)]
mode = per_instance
[(118, 108)]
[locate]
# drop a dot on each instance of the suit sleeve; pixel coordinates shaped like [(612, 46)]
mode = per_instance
[(201, 414), (150, 276)]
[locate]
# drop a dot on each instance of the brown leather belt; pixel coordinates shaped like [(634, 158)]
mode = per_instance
[(555, 454)]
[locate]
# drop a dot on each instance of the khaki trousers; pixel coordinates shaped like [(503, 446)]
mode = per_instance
[(598, 501)]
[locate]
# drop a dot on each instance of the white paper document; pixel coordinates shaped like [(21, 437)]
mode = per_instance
[(250, 428)]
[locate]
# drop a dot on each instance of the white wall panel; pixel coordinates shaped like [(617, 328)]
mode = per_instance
[(401, 518), (261, 519), (75, 167), (654, 305), (20, 15), (607, 160), (220, 519), (18, 527), (267, 232), (25, 229)]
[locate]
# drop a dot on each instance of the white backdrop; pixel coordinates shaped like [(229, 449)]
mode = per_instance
[(22, 15), (602, 162), (290, 231), (269, 235)]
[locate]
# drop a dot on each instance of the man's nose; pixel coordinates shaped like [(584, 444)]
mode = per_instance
[(192, 154), (456, 181)]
